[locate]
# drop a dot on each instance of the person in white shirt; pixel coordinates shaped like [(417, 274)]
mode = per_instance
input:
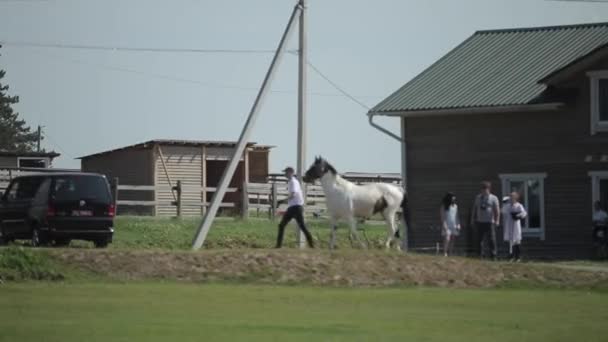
[(450, 222), (513, 212), (485, 218), (295, 210), (600, 222)]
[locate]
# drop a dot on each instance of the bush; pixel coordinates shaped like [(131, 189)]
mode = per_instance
[(19, 264)]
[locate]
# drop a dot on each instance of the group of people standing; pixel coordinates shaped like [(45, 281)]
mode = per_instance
[(485, 218)]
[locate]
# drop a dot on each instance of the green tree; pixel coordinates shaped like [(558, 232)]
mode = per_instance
[(15, 134)]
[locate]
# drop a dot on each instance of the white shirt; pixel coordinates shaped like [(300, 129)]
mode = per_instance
[(600, 216), (295, 192)]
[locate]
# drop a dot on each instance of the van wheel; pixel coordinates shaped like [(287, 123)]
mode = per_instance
[(36, 238), (101, 243), (62, 242), (3, 239)]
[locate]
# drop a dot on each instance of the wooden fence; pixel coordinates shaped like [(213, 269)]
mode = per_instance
[(259, 198), (269, 198), (6, 175), (177, 190)]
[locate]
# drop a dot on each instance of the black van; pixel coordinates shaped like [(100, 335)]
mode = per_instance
[(58, 208)]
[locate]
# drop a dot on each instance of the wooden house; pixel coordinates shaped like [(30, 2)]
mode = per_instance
[(524, 108)]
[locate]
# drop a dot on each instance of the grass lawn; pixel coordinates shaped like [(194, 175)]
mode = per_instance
[(168, 233), (189, 312)]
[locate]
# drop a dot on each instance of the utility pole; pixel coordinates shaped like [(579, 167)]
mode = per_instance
[(302, 59), (218, 195), (39, 136)]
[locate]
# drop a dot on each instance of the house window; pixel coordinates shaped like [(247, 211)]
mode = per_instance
[(531, 187), (599, 101), (599, 187), (33, 162)]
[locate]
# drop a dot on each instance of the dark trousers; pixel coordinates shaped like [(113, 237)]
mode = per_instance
[(599, 234), (516, 252), (294, 212), (486, 236)]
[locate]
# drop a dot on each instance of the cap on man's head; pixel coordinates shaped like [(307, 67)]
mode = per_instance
[(289, 169), (506, 199)]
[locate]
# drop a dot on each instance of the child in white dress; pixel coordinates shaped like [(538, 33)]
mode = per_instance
[(513, 212), (450, 223)]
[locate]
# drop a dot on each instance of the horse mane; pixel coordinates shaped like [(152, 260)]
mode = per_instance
[(330, 168)]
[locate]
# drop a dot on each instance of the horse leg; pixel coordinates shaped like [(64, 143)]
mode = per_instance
[(353, 231), (390, 229), (332, 239)]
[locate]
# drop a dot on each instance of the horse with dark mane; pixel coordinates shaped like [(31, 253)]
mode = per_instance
[(349, 201)]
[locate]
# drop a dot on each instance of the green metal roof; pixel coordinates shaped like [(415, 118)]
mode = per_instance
[(496, 68)]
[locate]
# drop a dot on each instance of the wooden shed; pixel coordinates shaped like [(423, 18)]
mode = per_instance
[(198, 165), (13, 163), (13, 159)]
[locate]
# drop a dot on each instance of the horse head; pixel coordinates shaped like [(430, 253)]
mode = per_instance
[(318, 169)]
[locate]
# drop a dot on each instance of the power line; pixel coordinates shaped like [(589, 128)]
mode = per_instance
[(336, 86), (186, 80), (131, 49), (21, 1), (179, 79), (46, 135), (590, 1)]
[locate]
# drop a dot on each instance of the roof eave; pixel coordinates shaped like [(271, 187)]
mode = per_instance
[(152, 143), (578, 65), (473, 110)]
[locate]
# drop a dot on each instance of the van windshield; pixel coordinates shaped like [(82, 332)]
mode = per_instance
[(78, 187)]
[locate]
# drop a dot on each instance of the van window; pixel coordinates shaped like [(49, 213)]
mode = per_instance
[(43, 193), (77, 187), (24, 188)]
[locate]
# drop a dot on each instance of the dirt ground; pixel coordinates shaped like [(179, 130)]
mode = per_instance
[(346, 268)]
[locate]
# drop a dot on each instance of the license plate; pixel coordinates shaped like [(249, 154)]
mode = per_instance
[(82, 213)]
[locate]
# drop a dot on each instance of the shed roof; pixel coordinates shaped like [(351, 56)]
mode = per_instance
[(372, 175), (497, 68), (51, 154), (192, 143)]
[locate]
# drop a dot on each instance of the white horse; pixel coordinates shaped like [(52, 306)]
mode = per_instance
[(348, 201)]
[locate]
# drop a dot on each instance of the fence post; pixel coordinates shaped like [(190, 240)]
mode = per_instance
[(245, 201), (257, 209), (115, 194), (273, 198), (178, 202)]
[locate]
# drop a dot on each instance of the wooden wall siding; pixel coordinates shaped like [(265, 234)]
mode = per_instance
[(184, 164), (258, 166), (455, 153), (220, 153), (132, 167), (215, 169), (8, 162)]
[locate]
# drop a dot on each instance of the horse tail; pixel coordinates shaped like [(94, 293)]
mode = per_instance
[(405, 209)]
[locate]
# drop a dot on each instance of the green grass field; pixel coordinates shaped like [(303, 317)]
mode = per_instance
[(167, 233), (48, 294), (180, 312)]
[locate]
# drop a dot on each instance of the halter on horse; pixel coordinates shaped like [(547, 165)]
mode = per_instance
[(348, 201)]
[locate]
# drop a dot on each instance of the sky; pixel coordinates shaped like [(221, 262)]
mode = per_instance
[(90, 100)]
